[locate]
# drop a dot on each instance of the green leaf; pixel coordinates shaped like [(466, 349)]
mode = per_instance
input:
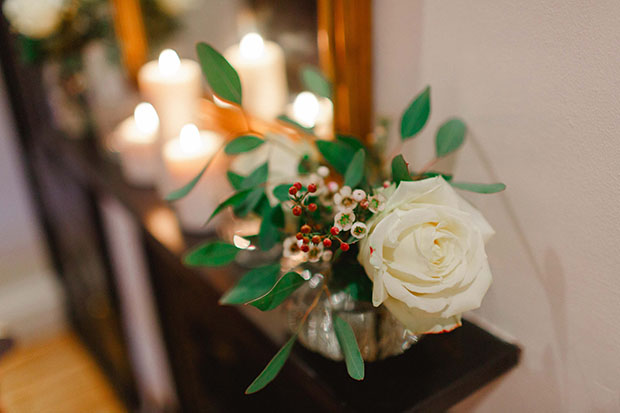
[(432, 174), (235, 179), (273, 368), (280, 292), (248, 204), (281, 192), (355, 170), (263, 208), (480, 188), (351, 141), (305, 165), (211, 254), (337, 154), (245, 143), (416, 115), (400, 170), (253, 284), (257, 177), (181, 192), (233, 200), (449, 137), (313, 80), (295, 124), (348, 345), (269, 235), (222, 77)]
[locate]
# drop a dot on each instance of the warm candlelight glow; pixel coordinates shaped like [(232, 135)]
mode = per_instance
[(243, 243), (306, 109), (220, 103), (190, 138), (169, 62), (146, 118), (252, 46)]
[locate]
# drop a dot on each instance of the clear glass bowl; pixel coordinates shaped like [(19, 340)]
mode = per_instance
[(379, 335)]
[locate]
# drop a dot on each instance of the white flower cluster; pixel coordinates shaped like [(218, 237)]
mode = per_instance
[(315, 253), (346, 200)]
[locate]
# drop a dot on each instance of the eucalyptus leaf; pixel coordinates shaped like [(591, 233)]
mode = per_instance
[(273, 368), (253, 284), (351, 141), (269, 235), (281, 192), (233, 200), (416, 115), (183, 191), (400, 170), (241, 144), (257, 177), (432, 174), (222, 77), (235, 179), (295, 124), (337, 154), (250, 203), (450, 136), (211, 254), (480, 188), (280, 292), (355, 170), (313, 80), (349, 347)]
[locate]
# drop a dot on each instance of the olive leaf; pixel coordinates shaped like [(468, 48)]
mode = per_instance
[(273, 367)]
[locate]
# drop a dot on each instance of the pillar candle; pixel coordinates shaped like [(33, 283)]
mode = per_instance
[(261, 68), (313, 112), (184, 157), (173, 87), (136, 140)]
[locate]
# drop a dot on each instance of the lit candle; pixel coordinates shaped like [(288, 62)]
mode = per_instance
[(313, 112), (173, 86), (184, 157), (262, 71), (136, 139)]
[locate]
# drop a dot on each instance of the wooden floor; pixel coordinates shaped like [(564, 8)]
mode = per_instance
[(56, 375)]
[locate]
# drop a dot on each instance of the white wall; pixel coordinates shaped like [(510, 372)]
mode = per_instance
[(538, 83), (30, 297)]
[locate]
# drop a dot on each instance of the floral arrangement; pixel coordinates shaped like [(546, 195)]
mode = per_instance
[(419, 245)]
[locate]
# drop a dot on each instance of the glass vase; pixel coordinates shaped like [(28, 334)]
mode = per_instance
[(379, 335)]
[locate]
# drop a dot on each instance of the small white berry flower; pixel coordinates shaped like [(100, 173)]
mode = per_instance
[(359, 194), (376, 203), (333, 187), (315, 252), (359, 230), (344, 220), (323, 171), (327, 255), (344, 199), (290, 247)]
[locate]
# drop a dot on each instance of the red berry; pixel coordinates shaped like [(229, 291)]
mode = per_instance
[(292, 190), (344, 246), (299, 235), (316, 239), (364, 204), (306, 240), (312, 188), (327, 242), (304, 248), (297, 185), (334, 231), (297, 210), (312, 207), (305, 229)]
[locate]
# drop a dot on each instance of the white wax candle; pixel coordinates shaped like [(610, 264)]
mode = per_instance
[(262, 71), (173, 87), (136, 139), (184, 157), (313, 112)]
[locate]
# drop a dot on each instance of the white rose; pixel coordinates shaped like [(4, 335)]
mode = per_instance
[(36, 19), (425, 255)]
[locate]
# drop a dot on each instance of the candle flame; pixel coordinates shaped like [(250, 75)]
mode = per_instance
[(189, 138), (306, 109), (252, 46), (169, 62), (146, 118)]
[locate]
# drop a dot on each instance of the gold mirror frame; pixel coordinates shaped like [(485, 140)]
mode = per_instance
[(345, 52)]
